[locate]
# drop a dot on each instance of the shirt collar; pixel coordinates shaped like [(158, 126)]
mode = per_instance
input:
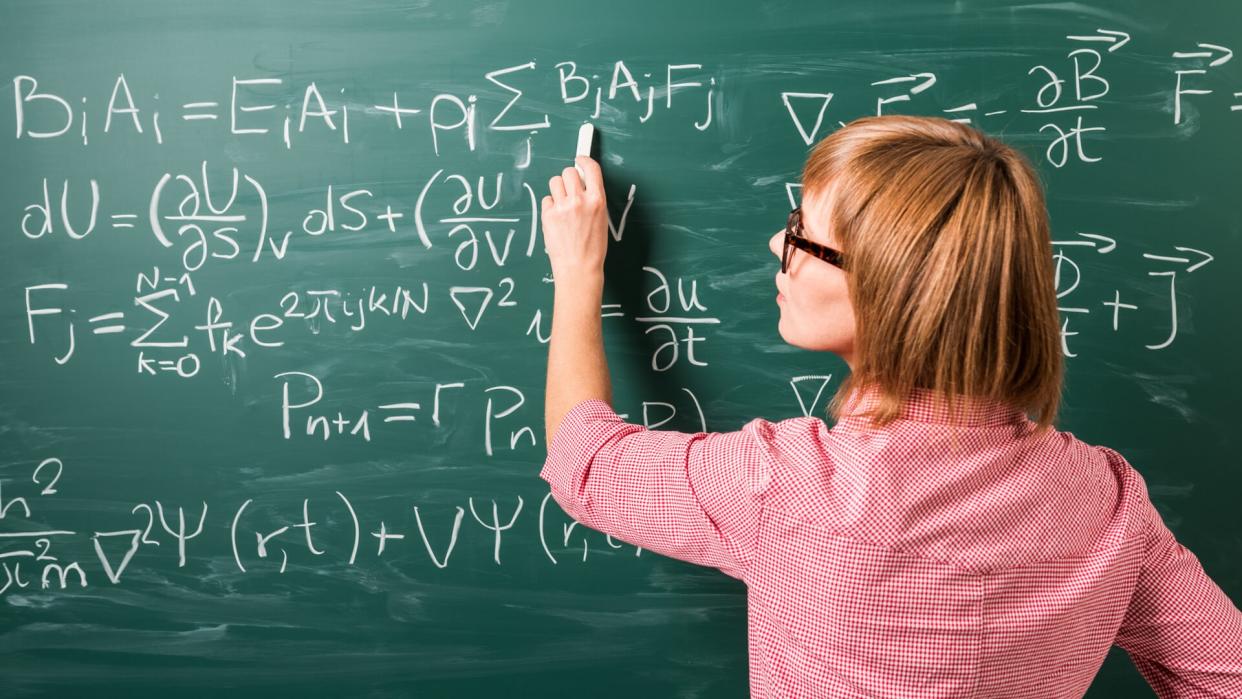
[(923, 405)]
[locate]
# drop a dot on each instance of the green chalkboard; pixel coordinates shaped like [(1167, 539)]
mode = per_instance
[(275, 308)]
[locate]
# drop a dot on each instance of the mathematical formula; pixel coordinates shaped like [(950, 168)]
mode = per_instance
[(220, 215)]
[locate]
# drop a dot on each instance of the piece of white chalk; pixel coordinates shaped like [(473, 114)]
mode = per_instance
[(584, 139), (585, 134)]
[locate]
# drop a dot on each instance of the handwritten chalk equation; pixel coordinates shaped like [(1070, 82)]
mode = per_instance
[(162, 299), (268, 107), (1070, 87), (260, 538), (182, 214)]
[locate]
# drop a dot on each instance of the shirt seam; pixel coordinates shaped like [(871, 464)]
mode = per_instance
[(977, 606), (875, 544), (987, 425), (943, 561)]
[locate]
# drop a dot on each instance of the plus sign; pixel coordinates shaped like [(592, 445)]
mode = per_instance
[(384, 536), (396, 110), (1117, 306), (389, 216), (341, 423)]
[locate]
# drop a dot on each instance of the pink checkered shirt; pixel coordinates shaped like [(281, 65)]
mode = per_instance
[(880, 564)]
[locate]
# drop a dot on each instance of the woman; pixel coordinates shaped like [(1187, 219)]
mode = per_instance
[(936, 541)]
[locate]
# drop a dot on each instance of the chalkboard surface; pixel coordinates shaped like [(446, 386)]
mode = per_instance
[(275, 308)]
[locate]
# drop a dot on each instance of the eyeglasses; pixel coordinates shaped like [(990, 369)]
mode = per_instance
[(794, 238)]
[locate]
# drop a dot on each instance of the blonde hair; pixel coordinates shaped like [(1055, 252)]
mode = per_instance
[(948, 259)]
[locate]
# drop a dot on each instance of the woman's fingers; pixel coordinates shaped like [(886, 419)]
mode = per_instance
[(573, 183), (570, 182), (594, 178), (575, 218), (557, 188)]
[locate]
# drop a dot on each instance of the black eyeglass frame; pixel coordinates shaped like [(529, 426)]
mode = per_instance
[(794, 238)]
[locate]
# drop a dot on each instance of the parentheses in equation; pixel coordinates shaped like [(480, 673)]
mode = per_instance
[(233, 534), (262, 216), (352, 554), (697, 407), (534, 218), (418, 210), (566, 530), (154, 211), (543, 539)]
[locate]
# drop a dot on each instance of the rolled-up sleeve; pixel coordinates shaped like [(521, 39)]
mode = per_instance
[(690, 496)]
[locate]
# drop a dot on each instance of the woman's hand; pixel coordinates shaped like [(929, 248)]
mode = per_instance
[(575, 222)]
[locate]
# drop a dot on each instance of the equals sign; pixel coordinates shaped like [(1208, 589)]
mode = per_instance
[(1236, 107), (399, 406), (964, 108), (108, 329), (123, 220), (199, 105)]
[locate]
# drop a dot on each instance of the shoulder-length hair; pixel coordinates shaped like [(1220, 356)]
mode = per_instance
[(949, 265)]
